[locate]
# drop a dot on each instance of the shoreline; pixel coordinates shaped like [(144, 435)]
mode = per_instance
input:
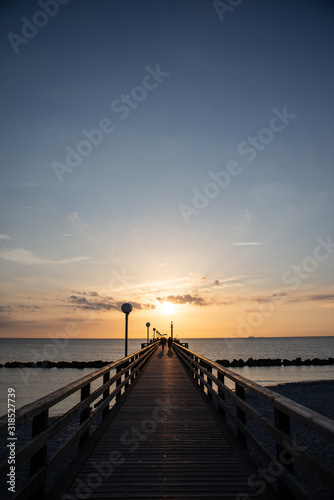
[(302, 382)]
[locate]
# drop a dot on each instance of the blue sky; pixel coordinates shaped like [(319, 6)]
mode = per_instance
[(114, 228)]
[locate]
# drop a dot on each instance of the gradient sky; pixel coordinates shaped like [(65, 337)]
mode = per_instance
[(207, 198)]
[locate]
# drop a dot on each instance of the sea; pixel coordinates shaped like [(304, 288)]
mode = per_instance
[(31, 384)]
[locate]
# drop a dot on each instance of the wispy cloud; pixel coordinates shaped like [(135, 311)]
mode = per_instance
[(26, 206), (248, 243), (18, 308), (4, 236), (6, 309), (25, 257), (195, 300), (317, 297), (93, 301)]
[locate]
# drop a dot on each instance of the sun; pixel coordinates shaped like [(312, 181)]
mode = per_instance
[(167, 308)]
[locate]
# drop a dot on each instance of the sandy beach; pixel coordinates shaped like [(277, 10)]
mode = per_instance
[(317, 395)]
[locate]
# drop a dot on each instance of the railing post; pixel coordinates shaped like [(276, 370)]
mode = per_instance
[(282, 422), (118, 382), (209, 380), (37, 461), (197, 370), (241, 415), (85, 393), (221, 393), (202, 375), (192, 366), (127, 374), (133, 368), (106, 378)]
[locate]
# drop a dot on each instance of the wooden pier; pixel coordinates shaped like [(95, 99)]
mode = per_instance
[(162, 424), (167, 441)]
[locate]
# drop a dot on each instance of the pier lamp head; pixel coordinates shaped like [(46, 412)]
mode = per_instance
[(126, 308), (148, 324)]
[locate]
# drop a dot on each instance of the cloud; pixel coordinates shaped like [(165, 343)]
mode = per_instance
[(26, 206), (185, 299), (6, 309), (25, 257), (18, 308), (8, 323), (23, 307), (326, 297), (247, 243), (321, 296), (4, 236), (81, 301), (270, 298)]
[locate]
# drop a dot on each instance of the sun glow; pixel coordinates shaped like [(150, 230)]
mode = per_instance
[(167, 308)]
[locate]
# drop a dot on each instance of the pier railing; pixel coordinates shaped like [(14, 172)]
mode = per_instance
[(113, 380), (246, 420)]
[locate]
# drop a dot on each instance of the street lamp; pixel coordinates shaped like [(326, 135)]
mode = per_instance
[(153, 333), (148, 332), (126, 308)]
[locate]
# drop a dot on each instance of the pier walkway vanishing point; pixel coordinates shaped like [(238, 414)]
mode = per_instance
[(164, 424)]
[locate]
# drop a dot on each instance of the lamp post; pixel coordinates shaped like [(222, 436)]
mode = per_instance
[(148, 332), (126, 308), (153, 333)]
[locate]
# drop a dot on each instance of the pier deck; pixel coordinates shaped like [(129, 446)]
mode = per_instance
[(163, 442)]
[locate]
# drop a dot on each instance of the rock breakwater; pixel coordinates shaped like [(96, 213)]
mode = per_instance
[(56, 364), (275, 362)]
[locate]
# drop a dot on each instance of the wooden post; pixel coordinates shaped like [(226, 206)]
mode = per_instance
[(209, 380), (38, 460), (202, 375), (85, 393), (127, 374), (133, 369), (241, 415), (106, 378), (191, 365), (196, 369), (282, 422), (118, 382), (221, 393)]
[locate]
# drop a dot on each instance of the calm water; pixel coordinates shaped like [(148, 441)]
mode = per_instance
[(31, 384)]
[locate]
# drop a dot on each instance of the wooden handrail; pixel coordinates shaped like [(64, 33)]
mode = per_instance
[(208, 374), (126, 369)]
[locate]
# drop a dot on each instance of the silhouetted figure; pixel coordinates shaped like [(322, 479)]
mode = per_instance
[(170, 341)]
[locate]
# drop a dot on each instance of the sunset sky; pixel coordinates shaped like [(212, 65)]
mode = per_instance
[(174, 154)]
